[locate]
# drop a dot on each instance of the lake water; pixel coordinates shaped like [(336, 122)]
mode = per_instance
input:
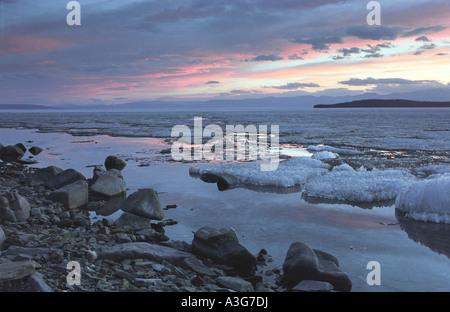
[(409, 144)]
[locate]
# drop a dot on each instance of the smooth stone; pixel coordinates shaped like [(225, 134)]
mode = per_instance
[(73, 195), (64, 178), (108, 183), (144, 203), (35, 150), (141, 250), (132, 221), (222, 246), (11, 153), (41, 176), (14, 207), (303, 263), (234, 283), (114, 162), (312, 286), (11, 271)]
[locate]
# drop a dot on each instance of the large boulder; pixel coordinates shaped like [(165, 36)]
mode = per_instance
[(144, 203), (303, 263), (12, 153), (43, 175), (2, 238), (133, 221), (14, 207), (64, 178), (141, 250), (222, 246), (108, 183), (12, 271), (73, 195), (114, 162)]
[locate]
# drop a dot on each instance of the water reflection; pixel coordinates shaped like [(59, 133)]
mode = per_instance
[(108, 207), (435, 236), (364, 205), (227, 182)]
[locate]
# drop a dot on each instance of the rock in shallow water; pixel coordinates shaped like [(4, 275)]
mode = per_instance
[(222, 246), (133, 221), (114, 162), (12, 153), (144, 203), (43, 175), (72, 196), (35, 150), (303, 263), (108, 183), (64, 178)]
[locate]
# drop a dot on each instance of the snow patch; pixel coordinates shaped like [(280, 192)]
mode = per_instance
[(292, 172), (427, 200), (344, 183), (321, 148), (325, 155)]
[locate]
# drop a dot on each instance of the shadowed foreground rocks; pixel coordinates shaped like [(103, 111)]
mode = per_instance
[(45, 225)]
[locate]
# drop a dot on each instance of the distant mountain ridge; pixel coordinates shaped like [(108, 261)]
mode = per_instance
[(377, 103), (25, 106), (265, 103)]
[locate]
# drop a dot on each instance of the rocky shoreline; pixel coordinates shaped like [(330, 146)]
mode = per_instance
[(46, 232)]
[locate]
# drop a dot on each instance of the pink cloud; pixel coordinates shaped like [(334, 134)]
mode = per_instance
[(25, 44)]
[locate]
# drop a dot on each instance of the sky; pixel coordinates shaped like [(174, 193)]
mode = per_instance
[(136, 50)]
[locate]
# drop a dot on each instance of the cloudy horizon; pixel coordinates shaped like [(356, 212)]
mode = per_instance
[(134, 50)]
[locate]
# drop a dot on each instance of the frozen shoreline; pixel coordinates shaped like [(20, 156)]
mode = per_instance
[(266, 220)]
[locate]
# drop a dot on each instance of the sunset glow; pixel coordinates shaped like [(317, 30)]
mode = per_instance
[(127, 51)]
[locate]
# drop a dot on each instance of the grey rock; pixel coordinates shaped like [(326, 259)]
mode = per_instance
[(107, 184), (302, 263), (2, 238), (11, 271), (322, 255), (145, 282), (331, 273), (33, 252), (41, 176), (73, 195), (141, 250), (312, 286), (35, 150), (35, 283), (22, 147), (144, 203), (132, 221), (64, 178), (222, 246), (234, 283), (114, 162), (194, 264), (14, 207), (12, 153)]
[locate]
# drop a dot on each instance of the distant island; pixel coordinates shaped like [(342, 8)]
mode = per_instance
[(385, 104)]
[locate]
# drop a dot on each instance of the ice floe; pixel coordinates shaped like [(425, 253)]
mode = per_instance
[(427, 200)]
